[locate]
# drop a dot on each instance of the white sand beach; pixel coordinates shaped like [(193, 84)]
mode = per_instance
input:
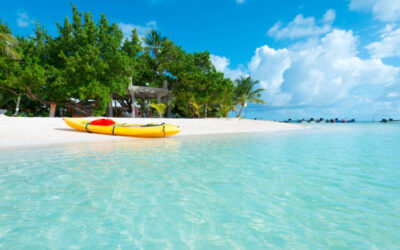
[(23, 131)]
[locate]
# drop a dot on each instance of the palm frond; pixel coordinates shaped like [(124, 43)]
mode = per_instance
[(8, 45), (245, 92), (8, 39), (160, 108)]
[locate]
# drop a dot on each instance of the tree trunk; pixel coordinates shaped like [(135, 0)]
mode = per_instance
[(73, 106), (240, 112), (78, 108), (169, 107), (110, 108), (205, 111), (17, 106), (52, 109)]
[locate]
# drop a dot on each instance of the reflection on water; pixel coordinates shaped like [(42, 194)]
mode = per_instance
[(134, 146)]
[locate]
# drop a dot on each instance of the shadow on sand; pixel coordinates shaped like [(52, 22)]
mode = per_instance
[(67, 129)]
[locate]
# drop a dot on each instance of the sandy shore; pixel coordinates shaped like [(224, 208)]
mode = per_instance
[(21, 131)]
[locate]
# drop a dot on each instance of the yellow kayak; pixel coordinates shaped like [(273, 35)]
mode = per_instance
[(124, 129)]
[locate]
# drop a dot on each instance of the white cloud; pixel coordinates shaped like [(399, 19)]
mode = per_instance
[(23, 20), (389, 45), (329, 16), (383, 10), (222, 65), (140, 29), (323, 72), (393, 95), (303, 27), (268, 66)]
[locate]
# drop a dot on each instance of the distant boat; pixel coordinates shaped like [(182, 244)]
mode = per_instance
[(389, 120), (345, 121), (321, 120)]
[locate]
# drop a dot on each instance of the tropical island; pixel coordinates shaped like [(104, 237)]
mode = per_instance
[(136, 131), (91, 69)]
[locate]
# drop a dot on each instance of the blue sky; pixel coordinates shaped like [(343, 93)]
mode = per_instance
[(314, 58)]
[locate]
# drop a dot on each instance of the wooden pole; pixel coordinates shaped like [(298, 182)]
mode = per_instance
[(110, 108), (133, 114), (169, 100), (158, 99), (132, 93)]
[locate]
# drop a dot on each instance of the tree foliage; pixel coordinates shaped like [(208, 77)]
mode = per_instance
[(245, 92), (87, 64)]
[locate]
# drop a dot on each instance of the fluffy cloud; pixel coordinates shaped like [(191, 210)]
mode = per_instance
[(222, 64), (329, 16), (303, 27), (323, 76), (268, 66), (141, 30), (389, 45), (23, 20), (324, 72), (393, 95), (383, 10)]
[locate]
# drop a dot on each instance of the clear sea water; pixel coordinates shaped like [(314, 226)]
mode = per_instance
[(334, 187)]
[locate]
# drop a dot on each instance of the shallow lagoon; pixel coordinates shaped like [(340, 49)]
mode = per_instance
[(334, 186)]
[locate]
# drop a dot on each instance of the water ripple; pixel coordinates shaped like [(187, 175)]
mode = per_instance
[(322, 188)]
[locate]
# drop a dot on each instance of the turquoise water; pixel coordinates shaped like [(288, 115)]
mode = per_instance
[(336, 186)]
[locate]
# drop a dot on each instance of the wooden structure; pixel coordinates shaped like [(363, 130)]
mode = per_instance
[(142, 92)]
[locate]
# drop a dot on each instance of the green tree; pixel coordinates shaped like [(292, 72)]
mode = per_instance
[(153, 59), (201, 86), (9, 82), (90, 62), (9, 65), (245, 92), (38, 77), (132, 48), (154, 41)]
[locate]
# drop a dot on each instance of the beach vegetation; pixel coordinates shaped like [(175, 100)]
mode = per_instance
[(246, 92), (88, 64), (160, 108), (8, 43)]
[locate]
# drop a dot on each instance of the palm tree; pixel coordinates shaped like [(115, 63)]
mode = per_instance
[(154, 41), (8, 45), (160, 108), (244, 92), (225, 108)]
